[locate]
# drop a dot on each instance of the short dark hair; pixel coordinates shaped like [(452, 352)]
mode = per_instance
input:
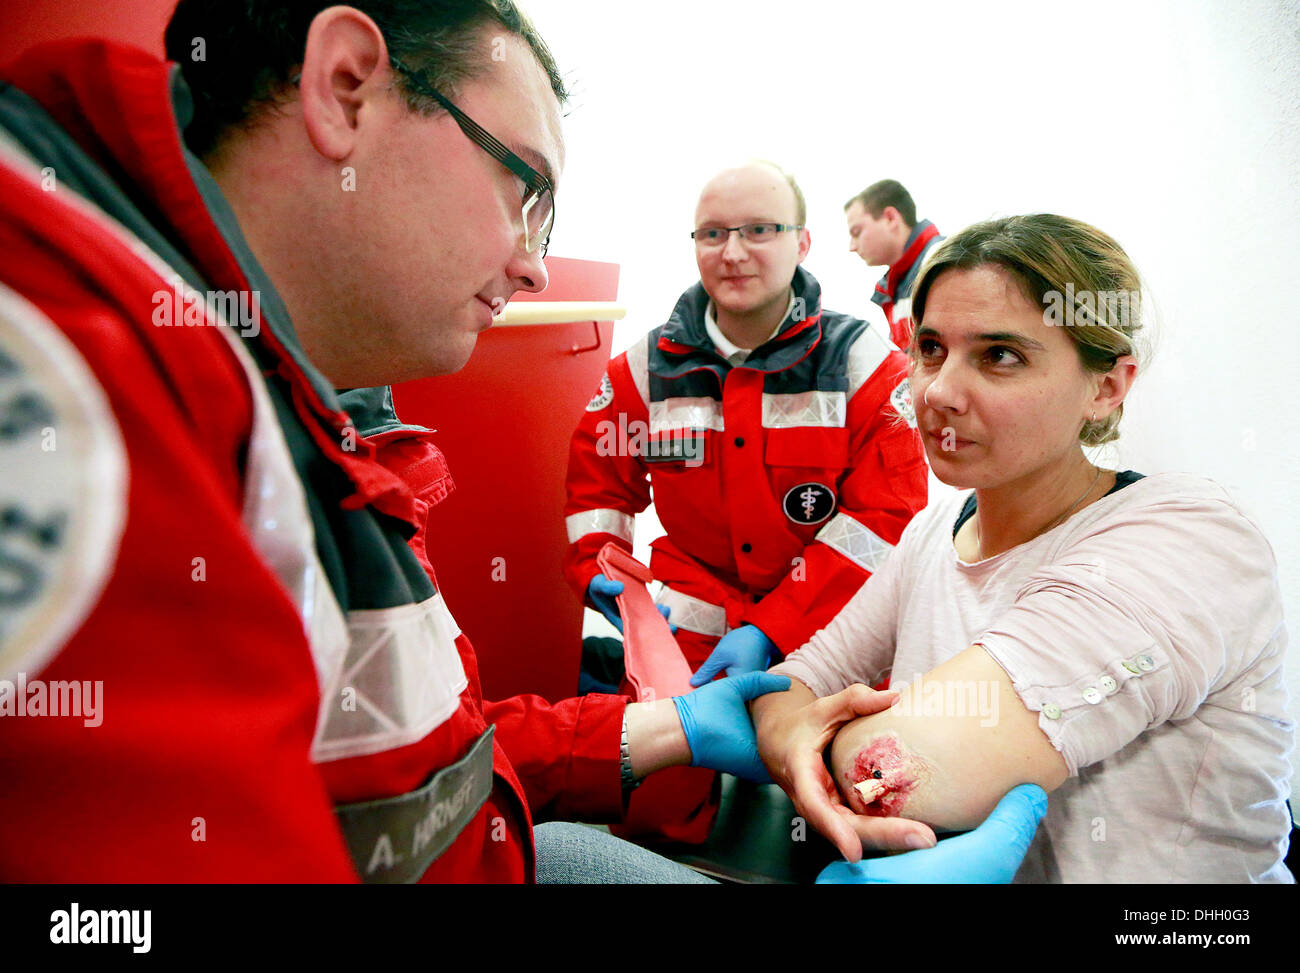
[(252, 47), (887, 192)]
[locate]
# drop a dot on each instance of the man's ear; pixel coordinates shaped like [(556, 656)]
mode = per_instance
[(893, 215), (344, 64), (805, 243)]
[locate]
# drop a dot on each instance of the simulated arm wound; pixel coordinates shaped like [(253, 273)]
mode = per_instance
[(881, 775)]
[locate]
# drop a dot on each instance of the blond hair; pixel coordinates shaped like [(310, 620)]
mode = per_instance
[(1079, 275)]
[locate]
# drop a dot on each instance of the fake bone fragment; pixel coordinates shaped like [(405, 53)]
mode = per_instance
[(870, 789)]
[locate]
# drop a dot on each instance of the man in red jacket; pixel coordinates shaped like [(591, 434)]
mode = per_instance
[(884, 232), (198, 533), (777, 437), (203, 537)]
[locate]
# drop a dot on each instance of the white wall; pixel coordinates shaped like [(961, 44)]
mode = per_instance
[(1173, 125)]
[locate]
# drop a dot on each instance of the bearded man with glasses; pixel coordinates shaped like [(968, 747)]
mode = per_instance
[(779, 442)]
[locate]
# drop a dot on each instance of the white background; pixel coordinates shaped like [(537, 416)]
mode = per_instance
[(1173, 126)]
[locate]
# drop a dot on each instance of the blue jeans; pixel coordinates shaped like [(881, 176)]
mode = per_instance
[(572, 854)]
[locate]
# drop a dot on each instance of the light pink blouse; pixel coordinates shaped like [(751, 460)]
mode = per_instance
[(1147, 633)]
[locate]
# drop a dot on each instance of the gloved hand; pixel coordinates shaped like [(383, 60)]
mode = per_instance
[(745, 649), (602, 591), (717, 724), (988, 855)]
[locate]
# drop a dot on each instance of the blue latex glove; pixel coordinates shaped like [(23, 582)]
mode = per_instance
[(742, 650), (602, 592), (717, 724), (989, 855)]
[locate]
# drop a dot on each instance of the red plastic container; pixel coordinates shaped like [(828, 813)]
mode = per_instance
[(505, 422)]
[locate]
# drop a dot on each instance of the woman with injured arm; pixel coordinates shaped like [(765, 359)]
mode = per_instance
[(1116, 639)]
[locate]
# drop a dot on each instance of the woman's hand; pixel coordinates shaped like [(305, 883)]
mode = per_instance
[(793, 730)]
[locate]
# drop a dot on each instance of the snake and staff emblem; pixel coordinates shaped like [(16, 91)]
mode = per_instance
[(809, 503)]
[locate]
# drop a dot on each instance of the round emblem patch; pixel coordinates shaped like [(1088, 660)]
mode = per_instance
[(901, 400), (603, 397), (63, 490), (809, 503)]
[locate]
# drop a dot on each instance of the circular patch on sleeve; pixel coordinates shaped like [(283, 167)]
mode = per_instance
[(809, 503), (901, 400), (63, 491), (603, 397)]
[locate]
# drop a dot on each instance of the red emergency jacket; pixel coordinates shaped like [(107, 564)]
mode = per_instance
[(782, 483), (149, 573), (894, 290)]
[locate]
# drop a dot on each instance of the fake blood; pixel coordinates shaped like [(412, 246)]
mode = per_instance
[(883, 761)]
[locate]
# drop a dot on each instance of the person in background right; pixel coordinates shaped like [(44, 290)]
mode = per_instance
[(883, 231), (1115, 638)]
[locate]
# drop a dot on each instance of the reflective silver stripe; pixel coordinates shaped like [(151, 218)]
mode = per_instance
[(401, 679), (866, 355), (638, 363), (685, 413), (606, 520), (396, 839), (692, 614), (860, 545), (275, 514), (902, 308), (803, 409)]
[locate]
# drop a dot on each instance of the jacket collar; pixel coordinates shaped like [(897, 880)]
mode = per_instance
[(684, 336), (917, 240), (373, 413)]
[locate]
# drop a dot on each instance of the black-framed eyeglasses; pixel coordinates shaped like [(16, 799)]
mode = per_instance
[(539, 203), (717, 236)]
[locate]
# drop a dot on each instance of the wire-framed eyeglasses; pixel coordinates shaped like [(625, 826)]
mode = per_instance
[(717, 236), (539, 198)]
